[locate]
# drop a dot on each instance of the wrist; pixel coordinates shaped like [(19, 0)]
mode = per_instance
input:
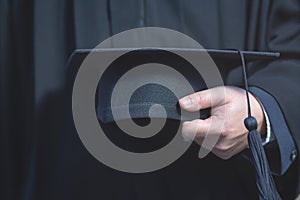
[(259, 114)]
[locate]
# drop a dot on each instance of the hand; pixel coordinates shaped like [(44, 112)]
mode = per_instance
[(228, 110)]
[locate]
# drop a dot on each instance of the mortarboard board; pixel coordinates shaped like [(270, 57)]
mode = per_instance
[(153, 93)]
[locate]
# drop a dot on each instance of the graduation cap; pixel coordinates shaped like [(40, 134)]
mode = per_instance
[(146, 96)]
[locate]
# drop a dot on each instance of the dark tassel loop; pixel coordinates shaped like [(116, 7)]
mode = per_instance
[(264, 180)]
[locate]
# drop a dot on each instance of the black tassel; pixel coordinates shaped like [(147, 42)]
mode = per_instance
[(264, 180)]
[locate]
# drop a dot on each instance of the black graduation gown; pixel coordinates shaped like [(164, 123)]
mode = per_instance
[(63, 169)]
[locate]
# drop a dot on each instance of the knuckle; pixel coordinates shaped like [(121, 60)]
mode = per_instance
[(199, 141), (185, 128), (222, 148), (199, 137), (224, 133), (191, 99), (223, 155), (191, 129), (198, 99), (228, 129)]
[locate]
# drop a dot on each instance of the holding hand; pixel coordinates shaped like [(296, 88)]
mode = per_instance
[(226, 121)]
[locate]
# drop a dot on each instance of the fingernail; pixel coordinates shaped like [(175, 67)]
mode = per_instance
[(186, 101)]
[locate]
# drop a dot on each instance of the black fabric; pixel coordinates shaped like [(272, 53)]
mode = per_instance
[(16, 96), (37, 37), (189, 177)]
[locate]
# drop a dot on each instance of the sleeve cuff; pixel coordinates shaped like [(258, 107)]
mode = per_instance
[(267, 139), (277, 126)]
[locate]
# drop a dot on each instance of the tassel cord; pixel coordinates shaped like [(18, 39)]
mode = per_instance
[(264, 180)]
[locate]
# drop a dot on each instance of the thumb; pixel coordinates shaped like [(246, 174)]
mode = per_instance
[(203, 99)]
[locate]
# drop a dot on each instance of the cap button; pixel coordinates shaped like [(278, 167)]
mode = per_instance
[(294, 155)]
